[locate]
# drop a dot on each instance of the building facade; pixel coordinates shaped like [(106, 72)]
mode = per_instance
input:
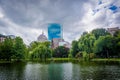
[(60, 42), (2, 37), (113, 30), (55, 42), (54, 31)]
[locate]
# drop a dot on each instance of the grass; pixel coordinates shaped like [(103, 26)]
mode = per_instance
[(68, 59), (78, 59), (63, 59), (58, 59), (5, 61), (106, 59)]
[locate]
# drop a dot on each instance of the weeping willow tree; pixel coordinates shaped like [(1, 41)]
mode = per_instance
[(41, 52), (86, 43)]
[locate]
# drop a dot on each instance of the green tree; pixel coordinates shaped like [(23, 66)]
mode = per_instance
[(117, 43), (100, 32), (104, 46), (86, 43), (33, 45), (61, 51), (41, 51), (6, 49), (117, 34), (74, 49), (19, 48)]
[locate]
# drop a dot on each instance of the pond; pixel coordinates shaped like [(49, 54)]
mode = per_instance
[(60, 71)]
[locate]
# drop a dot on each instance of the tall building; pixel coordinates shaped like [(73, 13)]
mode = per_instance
[(54, 31), (55, 34), (42, 38)]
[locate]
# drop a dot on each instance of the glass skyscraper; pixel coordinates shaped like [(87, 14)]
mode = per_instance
[(54, 31)]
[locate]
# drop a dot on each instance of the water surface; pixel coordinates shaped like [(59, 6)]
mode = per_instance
[(60, 71)]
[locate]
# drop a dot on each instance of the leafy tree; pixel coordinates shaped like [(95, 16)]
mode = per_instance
[(117, 43), (35, 44), (19, 48), (100, 32), (86, 43), (6, 49), (104, 46), (84, 33), (74, 49), (61, 51), (41, 51), (70, 55), (117, 34)]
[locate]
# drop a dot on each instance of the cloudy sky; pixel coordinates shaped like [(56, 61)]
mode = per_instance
[(28, 18)]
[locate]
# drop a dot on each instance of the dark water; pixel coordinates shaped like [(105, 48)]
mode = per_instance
[(60, 71)]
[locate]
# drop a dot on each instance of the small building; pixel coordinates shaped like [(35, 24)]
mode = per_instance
[(113, 30), (11, 36), (2, 37), (42, 38), (55, 42), (65, 44), (60, 42)]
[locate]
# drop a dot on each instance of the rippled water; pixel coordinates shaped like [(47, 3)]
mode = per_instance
[(60, 71)]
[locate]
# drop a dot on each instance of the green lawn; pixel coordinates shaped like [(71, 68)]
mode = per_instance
[(106, 59), (63, 59), (77, 59), (69, 59)]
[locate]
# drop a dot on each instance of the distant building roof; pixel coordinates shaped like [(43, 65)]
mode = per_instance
[(65, 44), (11, 36), (42, 38), (1, 35)]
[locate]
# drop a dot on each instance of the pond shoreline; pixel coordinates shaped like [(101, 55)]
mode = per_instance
[(66, 59)]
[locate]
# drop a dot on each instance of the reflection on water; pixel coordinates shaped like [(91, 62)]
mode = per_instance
[(60, 71)]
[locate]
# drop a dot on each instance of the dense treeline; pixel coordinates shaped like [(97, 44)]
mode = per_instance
[(97, 43), (12, 49), (42, 51)]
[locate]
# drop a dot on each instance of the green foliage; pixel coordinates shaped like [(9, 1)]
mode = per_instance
[(19, 48), (85, 56), (86, 43), (12, 49), (61, 51), (105, 46), (117, 34), (100, 32), (79, 55), (74, 50), (70, 55), (35, 44), (6, 49), (99, 41), (40, 51)]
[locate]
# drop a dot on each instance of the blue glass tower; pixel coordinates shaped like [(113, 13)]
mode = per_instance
[(54, 31)]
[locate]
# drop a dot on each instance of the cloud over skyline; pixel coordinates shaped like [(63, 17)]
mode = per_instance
[(28, 18)]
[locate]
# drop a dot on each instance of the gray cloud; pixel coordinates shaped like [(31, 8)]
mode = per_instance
[(27, 18)]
